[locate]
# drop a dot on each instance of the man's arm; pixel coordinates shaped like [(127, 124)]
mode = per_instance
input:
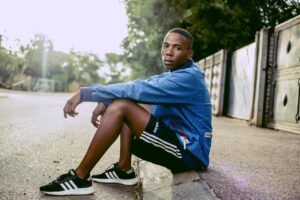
[(71, 105), (178, 88), (97, 113)]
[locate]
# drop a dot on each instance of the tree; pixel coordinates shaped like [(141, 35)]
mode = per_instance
[(273, 12), (36, 56), (42, 61), (114, 71), (10, 64), (85, 68), (76, 67), (143, 43), (215, 24)]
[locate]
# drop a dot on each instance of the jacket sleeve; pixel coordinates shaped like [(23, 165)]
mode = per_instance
[(170, 88)]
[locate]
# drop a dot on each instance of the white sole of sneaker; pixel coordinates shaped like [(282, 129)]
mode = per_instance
[(80, 191), (120, 181)]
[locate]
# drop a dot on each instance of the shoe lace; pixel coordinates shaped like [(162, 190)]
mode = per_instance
[(112, 166), (115, 168), (62, 177)]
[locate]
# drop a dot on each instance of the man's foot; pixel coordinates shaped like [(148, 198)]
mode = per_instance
[(114, 175), (68, 184)]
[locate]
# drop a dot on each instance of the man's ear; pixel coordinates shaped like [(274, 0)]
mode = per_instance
[(190, 54)]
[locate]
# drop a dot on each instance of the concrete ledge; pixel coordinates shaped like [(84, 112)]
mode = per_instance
[(159, 183)]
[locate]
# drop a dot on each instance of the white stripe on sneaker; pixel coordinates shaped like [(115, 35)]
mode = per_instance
[(64, 187), (73, 184), (107, 174), (111, 175), (115, 175), (68, 186), (79, 191)]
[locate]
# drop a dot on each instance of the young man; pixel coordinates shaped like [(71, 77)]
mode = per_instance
[(174, 133)]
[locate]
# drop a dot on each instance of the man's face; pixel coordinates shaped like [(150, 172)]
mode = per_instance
[(175, 51)]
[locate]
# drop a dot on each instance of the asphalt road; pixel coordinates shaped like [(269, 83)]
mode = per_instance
[(37, 144), (253, 163)]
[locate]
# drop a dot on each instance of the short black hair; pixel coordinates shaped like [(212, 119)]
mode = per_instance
[(184, 33)]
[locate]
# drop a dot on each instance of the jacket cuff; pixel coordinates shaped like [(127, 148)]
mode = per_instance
[(85, 94)]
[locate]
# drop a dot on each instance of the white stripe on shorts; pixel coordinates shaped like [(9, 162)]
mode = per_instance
[(158, 142)]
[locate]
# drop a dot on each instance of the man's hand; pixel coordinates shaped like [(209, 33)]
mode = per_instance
[(71, 105), (99, 110)]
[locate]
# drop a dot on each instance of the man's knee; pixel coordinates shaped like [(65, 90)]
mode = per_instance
[(121, 104), (127, 107)]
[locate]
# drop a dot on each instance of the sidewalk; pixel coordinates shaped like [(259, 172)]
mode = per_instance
[(253, 163), (158, 183), (246, 163), (37, 144)]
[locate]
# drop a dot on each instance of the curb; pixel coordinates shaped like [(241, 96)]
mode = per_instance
[(156, 182), (139, 187)]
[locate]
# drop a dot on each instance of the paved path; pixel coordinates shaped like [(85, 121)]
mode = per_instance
[(37, 144), (253, 163)]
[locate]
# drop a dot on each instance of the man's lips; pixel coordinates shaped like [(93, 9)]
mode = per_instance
[(168, 62)]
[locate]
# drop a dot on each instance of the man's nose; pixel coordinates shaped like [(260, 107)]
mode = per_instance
[(169, 51)]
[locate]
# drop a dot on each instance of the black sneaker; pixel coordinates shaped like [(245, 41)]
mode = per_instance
[(114, 175), (68, 184)]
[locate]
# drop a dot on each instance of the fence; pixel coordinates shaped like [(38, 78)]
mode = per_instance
[(259, 83), (37, 84)]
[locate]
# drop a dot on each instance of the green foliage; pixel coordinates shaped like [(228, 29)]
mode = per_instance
[(273, 12), (215, 24), (39, 60), (82, 68), (142, 46), (9, 65), (116, 72), (36, 56)]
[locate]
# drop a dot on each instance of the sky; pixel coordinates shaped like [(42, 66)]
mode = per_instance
[(94, 26)]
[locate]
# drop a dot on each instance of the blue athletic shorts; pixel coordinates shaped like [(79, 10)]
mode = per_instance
[(159, 144)]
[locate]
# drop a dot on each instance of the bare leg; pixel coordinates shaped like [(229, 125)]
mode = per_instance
[(119, 114), (126, 136)]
